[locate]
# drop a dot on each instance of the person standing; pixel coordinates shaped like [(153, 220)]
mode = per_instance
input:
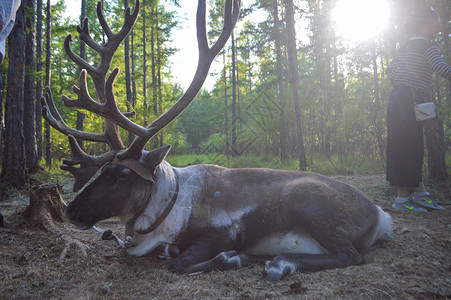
[(411, 74)]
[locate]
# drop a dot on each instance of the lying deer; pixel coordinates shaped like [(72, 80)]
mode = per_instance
[(207, 217)]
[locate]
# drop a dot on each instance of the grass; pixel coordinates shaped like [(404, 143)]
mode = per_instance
[(327, 166), (244, 161), (346, 165), (333, 165)]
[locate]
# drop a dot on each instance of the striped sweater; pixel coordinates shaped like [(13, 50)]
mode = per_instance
[(415, 63)]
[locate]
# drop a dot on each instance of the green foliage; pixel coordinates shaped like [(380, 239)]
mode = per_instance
[(65, 72), (343, 111), (189, 159), (322, 165), (202, 119), (346, 165)]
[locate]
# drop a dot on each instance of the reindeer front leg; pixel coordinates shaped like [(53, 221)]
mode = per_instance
[(202, 250)]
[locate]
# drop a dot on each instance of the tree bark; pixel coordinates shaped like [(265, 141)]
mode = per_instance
[(226, 105), (31, 151), (131, 135), (294, 74), (48, 154), (377, 106), (80, 115), (45, 202), (13, 166), (153, 33), (160, 88), (234, 104), (435, 146), (144, 61), (283, 119), (39, 78), (2, 115), (127, 71), (46, 207)]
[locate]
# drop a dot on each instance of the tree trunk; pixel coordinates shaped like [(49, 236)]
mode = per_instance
[(131, 135), (144, 61), (46, 207), (39, 78), (226, 105), (80, 115), (13, 166), (435, 149), (45, 202), (31, 150), (160, 88), (337, 90), (294, 74), (249, 75), (153, 33), (127, 69), (2, 115), (48, 154), (325, 84), (377, 107), (283, 118), (235, 151)]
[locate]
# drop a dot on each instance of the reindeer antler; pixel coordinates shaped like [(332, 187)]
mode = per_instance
[(107, 105), (88, 165), (206, 57)]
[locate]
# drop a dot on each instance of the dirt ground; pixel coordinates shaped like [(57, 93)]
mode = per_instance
[(416, 265)]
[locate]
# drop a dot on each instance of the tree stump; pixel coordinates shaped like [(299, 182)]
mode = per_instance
[(47, 206)]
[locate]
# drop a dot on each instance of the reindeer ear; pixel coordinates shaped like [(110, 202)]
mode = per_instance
[(153, 158)]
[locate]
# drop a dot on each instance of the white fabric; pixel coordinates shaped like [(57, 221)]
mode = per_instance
[(8, 9)]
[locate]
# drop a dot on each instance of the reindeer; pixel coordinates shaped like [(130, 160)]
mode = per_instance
[(206, 217)]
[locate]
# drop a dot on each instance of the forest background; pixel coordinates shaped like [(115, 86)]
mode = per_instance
[(331, 119)]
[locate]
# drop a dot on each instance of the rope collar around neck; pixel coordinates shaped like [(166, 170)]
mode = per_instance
[(162, 217)]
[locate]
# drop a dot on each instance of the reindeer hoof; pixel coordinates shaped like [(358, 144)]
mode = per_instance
[(279, 267), (128, 242), (227, 260)]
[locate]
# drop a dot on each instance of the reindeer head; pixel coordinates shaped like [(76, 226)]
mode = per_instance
[(121, 187)]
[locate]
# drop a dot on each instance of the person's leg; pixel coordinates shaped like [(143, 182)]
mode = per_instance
[(404, 147), (404, 141), (403, 192), (420, 188)]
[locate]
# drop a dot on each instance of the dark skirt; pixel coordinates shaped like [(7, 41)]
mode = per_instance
[(405, 147)]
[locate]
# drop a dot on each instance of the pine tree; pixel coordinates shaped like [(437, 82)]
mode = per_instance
[(13, 165)]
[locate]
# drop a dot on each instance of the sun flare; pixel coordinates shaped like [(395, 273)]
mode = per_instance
[(357, 20)]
